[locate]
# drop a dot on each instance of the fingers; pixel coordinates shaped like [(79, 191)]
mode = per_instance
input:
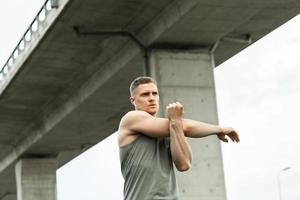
[(231, 133), (232, 137), (175, 110), (236, 137), (177, 105), (223, 138)]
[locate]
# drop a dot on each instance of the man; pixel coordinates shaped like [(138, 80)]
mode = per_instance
[(149, 145)]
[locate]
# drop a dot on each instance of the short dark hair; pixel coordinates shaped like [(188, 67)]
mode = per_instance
[(140, 80)]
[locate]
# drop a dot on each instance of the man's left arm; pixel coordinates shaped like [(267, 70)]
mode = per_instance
[(180, 149)]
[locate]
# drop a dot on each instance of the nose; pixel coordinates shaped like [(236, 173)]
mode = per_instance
[(151, 97)]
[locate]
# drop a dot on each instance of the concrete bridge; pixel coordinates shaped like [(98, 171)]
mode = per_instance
[(65, 86)]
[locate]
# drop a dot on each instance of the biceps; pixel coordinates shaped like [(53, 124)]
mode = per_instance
[(155, 127)]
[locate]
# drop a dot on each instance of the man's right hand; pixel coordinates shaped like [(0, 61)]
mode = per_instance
[(228, 132)]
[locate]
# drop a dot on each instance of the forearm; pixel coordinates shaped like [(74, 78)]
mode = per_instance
[(180, 149), (197, 129)]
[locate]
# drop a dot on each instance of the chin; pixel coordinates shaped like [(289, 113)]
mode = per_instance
[(152, 112)]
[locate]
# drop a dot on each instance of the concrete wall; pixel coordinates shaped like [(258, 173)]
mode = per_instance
[(187, 77)]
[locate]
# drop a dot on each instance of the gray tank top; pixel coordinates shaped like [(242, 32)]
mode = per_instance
[(147, 169)]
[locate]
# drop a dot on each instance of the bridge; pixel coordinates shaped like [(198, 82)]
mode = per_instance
[(65, 86)]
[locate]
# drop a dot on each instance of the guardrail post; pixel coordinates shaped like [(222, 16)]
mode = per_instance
[(54, 3)]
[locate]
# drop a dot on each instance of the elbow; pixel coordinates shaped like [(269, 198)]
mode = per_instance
[(184, 166), (187, 127), (183, 169)]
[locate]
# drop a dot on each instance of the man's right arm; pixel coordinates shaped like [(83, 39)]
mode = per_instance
[(197, 129)]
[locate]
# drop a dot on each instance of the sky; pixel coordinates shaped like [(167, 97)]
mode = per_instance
[(257, 93)]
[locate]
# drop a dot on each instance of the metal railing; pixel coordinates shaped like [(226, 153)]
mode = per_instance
[(27, 37)]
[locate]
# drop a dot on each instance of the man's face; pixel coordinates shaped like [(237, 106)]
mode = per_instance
[(145, 97)]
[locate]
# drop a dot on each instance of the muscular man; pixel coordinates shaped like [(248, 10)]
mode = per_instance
[(149, 145)]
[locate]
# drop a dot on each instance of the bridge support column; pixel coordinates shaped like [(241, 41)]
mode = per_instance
[(36, 179), (188, 77)]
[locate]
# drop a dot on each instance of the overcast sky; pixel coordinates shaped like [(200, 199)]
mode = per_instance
[(257, 93)]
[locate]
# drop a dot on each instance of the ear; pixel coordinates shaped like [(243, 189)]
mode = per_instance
[(131, 99)]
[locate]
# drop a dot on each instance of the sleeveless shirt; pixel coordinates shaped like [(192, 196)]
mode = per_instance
[(147, 168)]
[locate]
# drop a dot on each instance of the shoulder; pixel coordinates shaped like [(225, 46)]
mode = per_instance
[(133, 116), (138, 113), (126, 132)]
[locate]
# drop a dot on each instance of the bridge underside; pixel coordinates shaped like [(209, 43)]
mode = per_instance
[(72, 88)]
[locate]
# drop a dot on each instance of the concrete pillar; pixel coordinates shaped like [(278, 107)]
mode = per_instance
[(36, 179), (188, 77)]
